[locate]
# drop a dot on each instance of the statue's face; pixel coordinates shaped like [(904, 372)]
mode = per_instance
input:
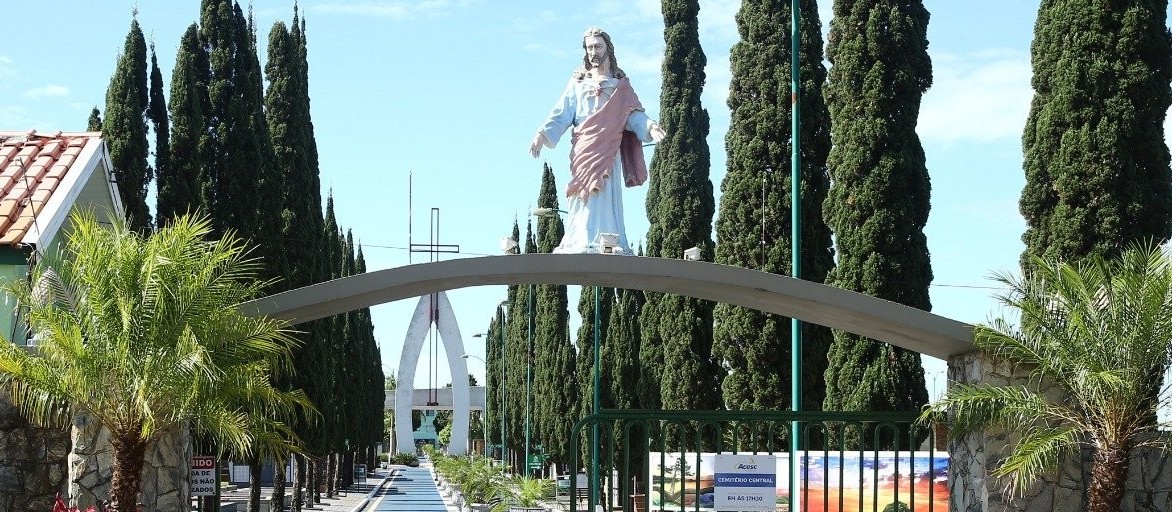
[(596, 50)]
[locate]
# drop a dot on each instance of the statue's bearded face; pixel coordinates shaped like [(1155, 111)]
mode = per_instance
[(596, 51)]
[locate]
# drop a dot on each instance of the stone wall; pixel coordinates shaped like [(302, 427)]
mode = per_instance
[(32, 462), (165, 474), (972, 489)]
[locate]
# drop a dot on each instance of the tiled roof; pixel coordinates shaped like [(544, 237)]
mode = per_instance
[(32, 166)]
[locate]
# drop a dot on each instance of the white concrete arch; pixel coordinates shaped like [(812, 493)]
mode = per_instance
[(854, 312), (449, 332)]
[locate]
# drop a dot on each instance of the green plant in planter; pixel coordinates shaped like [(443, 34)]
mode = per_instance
[(526, 492), (405, 459), (481, 482)]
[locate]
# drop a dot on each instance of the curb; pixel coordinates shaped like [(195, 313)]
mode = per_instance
[(373, 491)]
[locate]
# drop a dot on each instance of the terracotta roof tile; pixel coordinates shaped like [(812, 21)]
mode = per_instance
[(15, 233), (32, 167)]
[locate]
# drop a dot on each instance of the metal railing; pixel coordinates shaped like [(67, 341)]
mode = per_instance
[(849, 461)]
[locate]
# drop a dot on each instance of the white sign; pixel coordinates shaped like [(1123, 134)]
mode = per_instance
[(745, 482), (203, 476)]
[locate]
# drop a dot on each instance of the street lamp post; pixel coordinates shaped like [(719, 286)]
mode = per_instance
[(528, 376), (484, 420)]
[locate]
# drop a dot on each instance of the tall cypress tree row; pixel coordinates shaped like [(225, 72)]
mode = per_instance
[(756, 234), (125, 128), (553, 351), (680, 206), (879, 202), (1096, 164), (160, 124), (181, 183)]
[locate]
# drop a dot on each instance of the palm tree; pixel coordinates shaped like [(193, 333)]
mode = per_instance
[(143, 334), (1094, 339)]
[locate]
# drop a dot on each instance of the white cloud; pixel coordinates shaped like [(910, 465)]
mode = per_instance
[(37, 93), (980, 96)]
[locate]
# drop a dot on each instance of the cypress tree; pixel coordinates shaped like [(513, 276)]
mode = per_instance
[(554, 355), (585, 354), (519, 352), (879, 202), (331, 346), (302, 229), (241, 152), (216, 36), (680, 206), (268, 214), (350, 375), (620, 352), (375, 403), (157, 113), (1096, 164), (620, 379), (492, 381), (125, 129), (180, 183), (756, 234), (94, 123)]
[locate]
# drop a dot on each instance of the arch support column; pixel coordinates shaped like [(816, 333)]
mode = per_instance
[(449, 331)]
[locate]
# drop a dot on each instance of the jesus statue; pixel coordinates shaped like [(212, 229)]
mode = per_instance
[(609, 129)]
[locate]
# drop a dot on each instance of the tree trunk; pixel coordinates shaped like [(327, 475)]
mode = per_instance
[(331, 473), (346, 470), (319, 478), (299, 481), (278, 500), (254, 469), (1108, 478), (129, 453)]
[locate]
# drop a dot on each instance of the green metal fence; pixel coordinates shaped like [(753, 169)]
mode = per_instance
[(662, 460)]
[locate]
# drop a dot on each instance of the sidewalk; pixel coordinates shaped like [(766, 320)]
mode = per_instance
[(347, 500)]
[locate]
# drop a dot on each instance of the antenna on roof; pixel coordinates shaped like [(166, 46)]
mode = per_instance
[(27, 201)]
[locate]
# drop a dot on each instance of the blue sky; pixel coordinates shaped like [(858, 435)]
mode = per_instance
[(453, 90)]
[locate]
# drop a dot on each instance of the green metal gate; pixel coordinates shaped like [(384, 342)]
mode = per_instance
[(639, 461)]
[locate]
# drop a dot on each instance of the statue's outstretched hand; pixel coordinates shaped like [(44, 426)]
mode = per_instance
[(657, 133), (535, 146)]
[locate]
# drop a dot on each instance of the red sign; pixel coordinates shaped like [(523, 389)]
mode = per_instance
[(203, 476)]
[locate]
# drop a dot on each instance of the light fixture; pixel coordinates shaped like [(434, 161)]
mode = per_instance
[(608, 243), (547, 212)]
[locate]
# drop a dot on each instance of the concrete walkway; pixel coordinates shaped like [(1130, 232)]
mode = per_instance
[(409, 490)]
